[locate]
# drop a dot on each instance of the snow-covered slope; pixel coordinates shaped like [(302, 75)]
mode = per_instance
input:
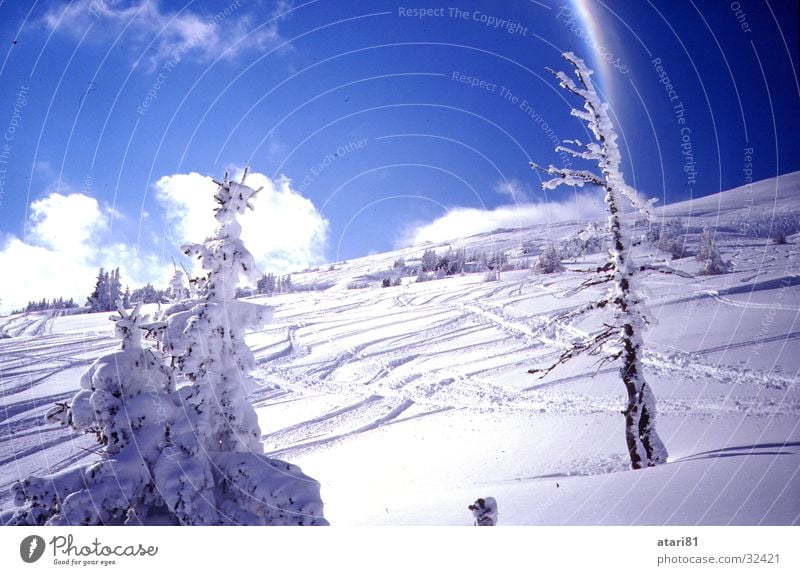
[(407, 403), (759, 199)]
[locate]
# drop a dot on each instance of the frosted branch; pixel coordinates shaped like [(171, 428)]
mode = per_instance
[(590, 346)]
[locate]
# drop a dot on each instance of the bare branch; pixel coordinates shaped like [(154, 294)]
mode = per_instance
[(590, 346), (604, 279), (579, 311), (610, 358), (664, 269)]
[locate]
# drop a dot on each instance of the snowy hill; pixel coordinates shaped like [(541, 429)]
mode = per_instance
[(759, 199), (409, 402)]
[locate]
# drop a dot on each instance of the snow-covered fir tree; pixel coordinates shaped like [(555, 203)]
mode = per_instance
[(495, 264), (266, 284), (428, 260), (177, 287), (708, 253), (549, 261), (126, 401), (621, 336), (149, 294), (97, 299), (670, 237), (186, 452), (107, 290), (588, 241), (220, 437)]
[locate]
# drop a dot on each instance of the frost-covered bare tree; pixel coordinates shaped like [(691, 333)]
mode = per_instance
[(621, 336)]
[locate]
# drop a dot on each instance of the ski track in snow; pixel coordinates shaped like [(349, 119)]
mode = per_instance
[(388, 357), (480, 336)]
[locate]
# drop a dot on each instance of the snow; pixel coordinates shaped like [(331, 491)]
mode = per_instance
[(188, 455), (408, 403)]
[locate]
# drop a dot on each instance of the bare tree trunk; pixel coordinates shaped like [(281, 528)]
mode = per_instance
[(644, 445), (653, 446)]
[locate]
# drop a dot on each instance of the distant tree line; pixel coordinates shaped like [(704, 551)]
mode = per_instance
[(458, 261), (272, 284), (108, 289), (149, 294), (47, 304)]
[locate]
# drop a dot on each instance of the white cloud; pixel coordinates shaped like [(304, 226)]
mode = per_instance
[(179, 34), (284, 232), (514, 189), (66, 223), (67, 241), (69, 237), (189, 203), (464, 222)]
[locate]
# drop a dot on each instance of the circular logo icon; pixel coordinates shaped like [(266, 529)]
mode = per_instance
[(31, 549)]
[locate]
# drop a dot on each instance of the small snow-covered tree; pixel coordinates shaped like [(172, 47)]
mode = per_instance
[(428, 261), (452, 262), (669, 237), (621, 336), (590, 240), (266, 284), (114, 289), (177, 288), (125, 401), (496, 262), (549, 261), (149, 294), (99, 298), (95, 299), (708, 253)]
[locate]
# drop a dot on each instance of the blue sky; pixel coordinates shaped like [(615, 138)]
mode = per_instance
[(370, 123)]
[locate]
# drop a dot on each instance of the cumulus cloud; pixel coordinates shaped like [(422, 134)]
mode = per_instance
[(68, 239), (284, 232), (464, 222), (66, 223), (514, 189), (181, 34)]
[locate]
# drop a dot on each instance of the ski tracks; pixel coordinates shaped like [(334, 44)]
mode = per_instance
[(359, 417), (459, 358)]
